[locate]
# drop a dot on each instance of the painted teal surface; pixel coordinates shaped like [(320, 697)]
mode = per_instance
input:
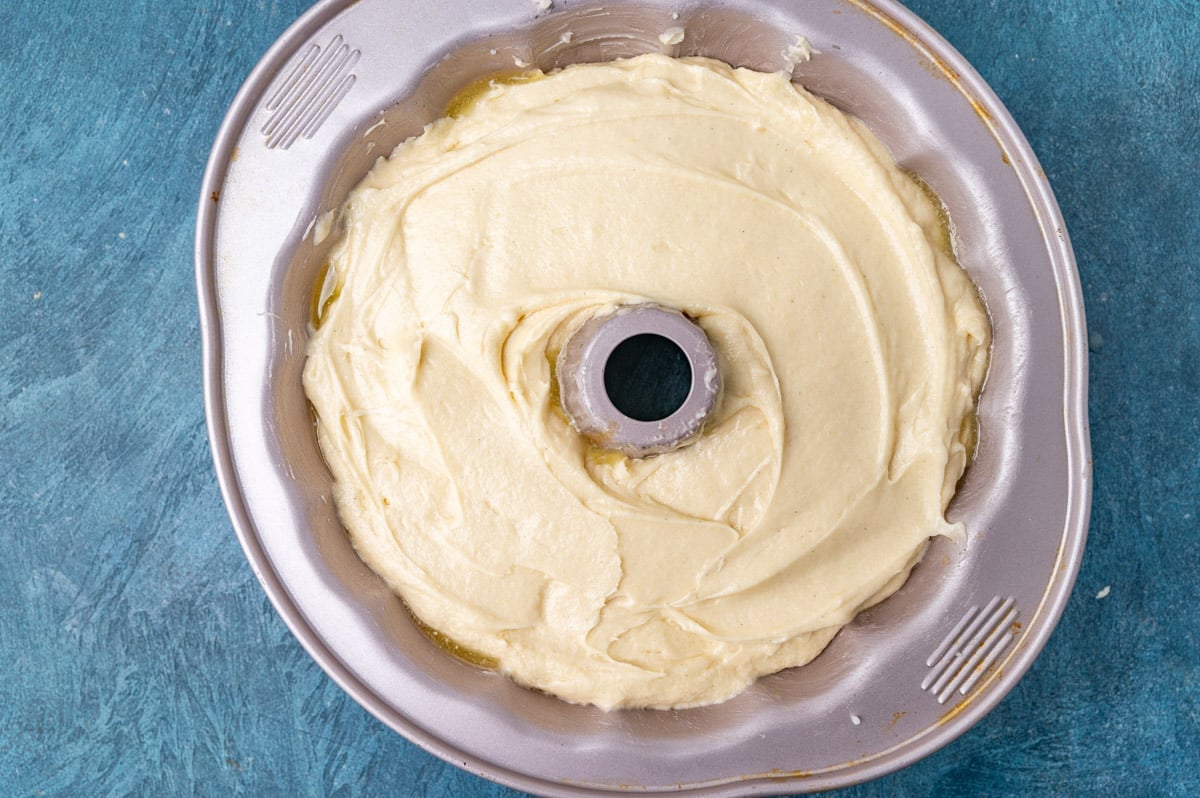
[(138, 655)]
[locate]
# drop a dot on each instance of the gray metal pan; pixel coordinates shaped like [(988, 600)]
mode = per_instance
[(348, 82)]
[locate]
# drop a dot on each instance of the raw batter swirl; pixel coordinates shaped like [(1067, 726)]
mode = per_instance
[(851, 345)]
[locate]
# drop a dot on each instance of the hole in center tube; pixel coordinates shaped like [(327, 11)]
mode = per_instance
[(647, 377)]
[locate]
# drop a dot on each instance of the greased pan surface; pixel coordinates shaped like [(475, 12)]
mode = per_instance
[(346, 84)]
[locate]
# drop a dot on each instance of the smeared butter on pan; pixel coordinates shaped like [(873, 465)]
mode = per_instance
[(852, 348)]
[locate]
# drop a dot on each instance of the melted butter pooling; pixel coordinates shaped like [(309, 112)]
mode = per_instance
[(852, 348)]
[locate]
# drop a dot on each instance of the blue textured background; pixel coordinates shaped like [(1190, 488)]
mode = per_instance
[(139, 655)]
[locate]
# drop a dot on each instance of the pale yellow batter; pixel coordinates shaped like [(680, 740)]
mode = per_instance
[(851, 346)]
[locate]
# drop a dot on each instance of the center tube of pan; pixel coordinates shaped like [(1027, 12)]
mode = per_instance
[(641, 380)]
